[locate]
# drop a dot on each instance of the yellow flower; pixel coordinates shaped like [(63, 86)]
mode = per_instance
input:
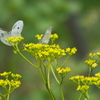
[(87, 80), (55, 36), (15, 84), (97, 75), (45, 51), (5, 74), (39, 36), (91, 55), (68, 49), (2, 82), (71, 51), (63, 70), (92, 63), (16, 76), (14, 40), (77, 78), (15, 51), (97, 83), (9, 82), (74, 50), (83, 88), (98, 53)]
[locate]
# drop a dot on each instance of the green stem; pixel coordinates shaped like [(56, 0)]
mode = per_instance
[(50, 92), (62, 94), (42, 75), (56, 62), (54, 75), (17, 49), (80, 96), (9, 91), (87, 96), (28, 60), (48, 75), (90, 71), (8, 97), (65, 61), (47, 84), (5, 97)]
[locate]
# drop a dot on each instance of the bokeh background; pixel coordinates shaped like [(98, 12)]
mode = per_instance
[(77, 23)]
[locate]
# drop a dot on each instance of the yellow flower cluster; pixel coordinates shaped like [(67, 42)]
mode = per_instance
[(97, 75), (98, 81), (98, 53), (16, 76), (39, 36), (53, 37), (83, 88), (13, 83), (92, 55), (77, 79), (86, 81), (47, 52), (14, 40), (44, 51), (94, 60), (63, 70), (91, 63), (5, 74), (71, 51)]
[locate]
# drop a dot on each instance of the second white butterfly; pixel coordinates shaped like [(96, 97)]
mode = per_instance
[(15, 32), (46, 36)]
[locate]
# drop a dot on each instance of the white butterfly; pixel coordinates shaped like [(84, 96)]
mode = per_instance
[(15, 32), (46, 37)]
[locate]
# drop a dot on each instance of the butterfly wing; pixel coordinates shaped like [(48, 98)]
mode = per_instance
[(46, 37), (4, 35), (17, 29)]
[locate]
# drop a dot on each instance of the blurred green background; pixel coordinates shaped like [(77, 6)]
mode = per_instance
[(77, 23)]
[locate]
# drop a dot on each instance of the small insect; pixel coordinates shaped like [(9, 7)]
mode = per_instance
[(46, 37), (15, 32)]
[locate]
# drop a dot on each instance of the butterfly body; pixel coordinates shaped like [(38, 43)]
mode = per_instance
[(15, 32)]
